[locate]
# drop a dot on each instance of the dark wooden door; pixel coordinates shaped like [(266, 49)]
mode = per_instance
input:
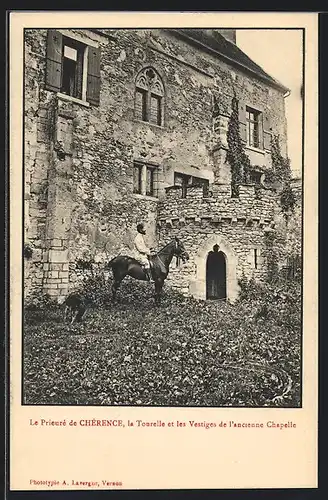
[(216, 276)]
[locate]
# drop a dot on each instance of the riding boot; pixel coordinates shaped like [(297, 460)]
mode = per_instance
[(148, 273)]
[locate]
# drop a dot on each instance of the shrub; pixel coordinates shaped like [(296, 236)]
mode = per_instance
[(96, 289), (84, 264), (40, 307), (279, 301)]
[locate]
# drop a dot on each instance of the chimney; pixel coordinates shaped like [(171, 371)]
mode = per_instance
[(229, 34)]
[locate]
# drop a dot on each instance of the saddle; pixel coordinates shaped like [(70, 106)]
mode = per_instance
[(155, 262)]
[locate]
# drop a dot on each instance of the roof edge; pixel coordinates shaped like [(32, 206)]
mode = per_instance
[(274, 83)]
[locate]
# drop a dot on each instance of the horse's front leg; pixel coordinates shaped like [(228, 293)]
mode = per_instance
[(158, 290)]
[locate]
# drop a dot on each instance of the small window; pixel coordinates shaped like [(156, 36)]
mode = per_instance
[(145, 179), (255, 258), (149, 99), (253, 121)]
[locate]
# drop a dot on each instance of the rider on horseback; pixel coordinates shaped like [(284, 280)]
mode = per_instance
[(143, 252)]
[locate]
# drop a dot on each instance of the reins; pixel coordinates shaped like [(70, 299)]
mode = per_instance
[(168, 244)]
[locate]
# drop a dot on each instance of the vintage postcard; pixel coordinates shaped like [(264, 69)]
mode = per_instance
[(163, 236)]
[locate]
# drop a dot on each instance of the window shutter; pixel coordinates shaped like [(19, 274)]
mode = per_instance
[(242, 120), (266, 132), (93, 80), (54, 61)]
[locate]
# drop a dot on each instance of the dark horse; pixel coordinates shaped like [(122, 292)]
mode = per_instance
[(123, 266)]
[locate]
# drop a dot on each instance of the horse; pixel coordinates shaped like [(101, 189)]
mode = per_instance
[(123, 266)]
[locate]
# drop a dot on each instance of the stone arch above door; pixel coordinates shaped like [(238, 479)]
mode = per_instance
[(198, 286)]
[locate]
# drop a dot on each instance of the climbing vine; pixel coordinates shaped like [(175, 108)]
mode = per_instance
[(236, 156), (281, 172)]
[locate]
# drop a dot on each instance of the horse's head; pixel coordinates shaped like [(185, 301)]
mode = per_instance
[(179, 250)]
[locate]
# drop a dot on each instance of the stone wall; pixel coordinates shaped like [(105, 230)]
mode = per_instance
[(252, 204), (236, 240), (79, 200), (237, 225), (37, 153)]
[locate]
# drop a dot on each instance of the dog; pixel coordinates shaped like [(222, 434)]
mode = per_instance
[(75, 306)]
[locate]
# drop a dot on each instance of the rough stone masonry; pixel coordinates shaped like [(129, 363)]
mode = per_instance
[(98, 133)]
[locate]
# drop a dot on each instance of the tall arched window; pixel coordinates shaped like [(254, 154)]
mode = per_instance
[(149, 104)]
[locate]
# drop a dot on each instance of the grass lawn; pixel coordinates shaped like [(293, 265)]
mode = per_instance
[(183, 353)]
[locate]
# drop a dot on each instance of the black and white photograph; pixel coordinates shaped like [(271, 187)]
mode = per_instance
[(163, 217)]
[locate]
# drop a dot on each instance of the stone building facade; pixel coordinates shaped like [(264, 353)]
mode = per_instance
[(123, 126)]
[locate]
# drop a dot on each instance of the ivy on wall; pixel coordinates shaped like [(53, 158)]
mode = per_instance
[(281, 172), (236, 156), (283, 245)]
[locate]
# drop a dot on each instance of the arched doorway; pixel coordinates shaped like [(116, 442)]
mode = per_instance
[(197, 285), (216, 275)]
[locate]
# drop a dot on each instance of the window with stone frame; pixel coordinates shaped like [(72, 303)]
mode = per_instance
[(149, 97), (72, 67), (253, 127), (145, 179), (256, 258)]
